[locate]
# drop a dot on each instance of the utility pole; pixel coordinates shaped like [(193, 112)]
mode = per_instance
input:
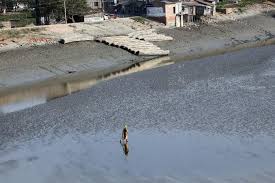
[(65, 10), (103, 7)]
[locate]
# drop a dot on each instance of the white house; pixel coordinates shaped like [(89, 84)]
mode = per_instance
[(95, 4)]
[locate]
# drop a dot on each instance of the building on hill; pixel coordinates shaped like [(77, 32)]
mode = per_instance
[(95, 4), (176, 13)]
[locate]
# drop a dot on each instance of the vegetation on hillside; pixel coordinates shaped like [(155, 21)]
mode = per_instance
[(241, 4), (139, 19), (55, 8), (20, 19), (244, 3), (49, 9), (17, 33)]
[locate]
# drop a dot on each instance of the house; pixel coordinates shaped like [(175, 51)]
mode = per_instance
[(107, 6), (191, 11), (176, 13), (20, 6), (131, 7), (165, 11), (209, 6), (95, 4)]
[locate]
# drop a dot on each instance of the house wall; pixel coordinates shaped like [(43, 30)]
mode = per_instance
[(170, 10), (178, 7), (208, 11), (155, 12), (95, 4), (190, 10), (170, 14), (5, 24)]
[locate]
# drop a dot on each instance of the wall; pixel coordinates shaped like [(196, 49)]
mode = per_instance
[(226, 10), (170, 15), (93, 19), (155, 12), (170, 11), (190, 10), (208, 11), (5, 24), (91, 3)]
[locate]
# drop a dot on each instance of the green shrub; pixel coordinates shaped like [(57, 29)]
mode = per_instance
[(244, 3), (21, 19), (222, 4), (18, 33), (139, 19)]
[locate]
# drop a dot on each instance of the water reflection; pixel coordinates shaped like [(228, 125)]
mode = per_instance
[(125, 148), (27, 103), (93, 157), (124, 140)]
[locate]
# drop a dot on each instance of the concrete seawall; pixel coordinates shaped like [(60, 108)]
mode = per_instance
[(184, 57), (67, 84)]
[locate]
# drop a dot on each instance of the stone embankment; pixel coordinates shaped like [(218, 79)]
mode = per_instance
[(150, 35), (134, 46), (22, 66), (138, 42), (65, 33)]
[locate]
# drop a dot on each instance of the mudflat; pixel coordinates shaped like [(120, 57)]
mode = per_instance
[(209, 120), (33, 64), (220, 35)]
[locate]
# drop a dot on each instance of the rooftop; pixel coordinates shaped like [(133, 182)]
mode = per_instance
[(204, 2), (192, 3)]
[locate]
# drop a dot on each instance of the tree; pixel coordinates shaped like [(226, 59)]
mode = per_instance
[(3, 6), (56, 8), (76, 7), (8, 4)]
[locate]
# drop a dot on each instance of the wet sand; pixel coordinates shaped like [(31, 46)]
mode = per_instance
[(209, 120), (34, 64), (220, 37)]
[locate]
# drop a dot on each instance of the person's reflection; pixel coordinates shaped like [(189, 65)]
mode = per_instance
[(124, 140), (125, 148)]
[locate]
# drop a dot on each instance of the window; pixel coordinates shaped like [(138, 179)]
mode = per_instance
[(95, 3), (174, 10)]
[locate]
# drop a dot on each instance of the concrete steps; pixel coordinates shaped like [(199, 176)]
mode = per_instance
[(134, 46), (149, 35)]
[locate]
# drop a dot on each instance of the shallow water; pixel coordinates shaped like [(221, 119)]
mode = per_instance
[(209, 120), (178, 156)]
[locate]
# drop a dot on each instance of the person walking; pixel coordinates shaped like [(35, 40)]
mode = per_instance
[(124, 135)]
